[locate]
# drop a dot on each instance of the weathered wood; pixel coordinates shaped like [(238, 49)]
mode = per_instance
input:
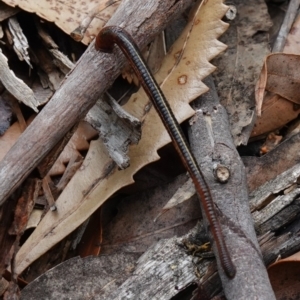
[(277, 161), (287, 23), (155, 278), (82, 87), (166, 267), (126, 129), (213, 146)]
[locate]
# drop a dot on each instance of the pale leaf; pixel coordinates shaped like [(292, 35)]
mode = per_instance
[(98, 178), (68, 14)]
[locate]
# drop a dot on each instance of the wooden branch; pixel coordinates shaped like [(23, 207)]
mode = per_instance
[(232, 200), (286, 25), (166, 266), (213, 146), (92, 75)]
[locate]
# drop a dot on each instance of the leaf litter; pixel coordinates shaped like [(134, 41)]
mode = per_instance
[(96, 148), (98, 178)]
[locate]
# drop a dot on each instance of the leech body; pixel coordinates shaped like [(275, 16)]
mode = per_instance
[(105, 41)]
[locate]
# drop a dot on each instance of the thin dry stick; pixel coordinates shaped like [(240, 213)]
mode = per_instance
[(286, 25)]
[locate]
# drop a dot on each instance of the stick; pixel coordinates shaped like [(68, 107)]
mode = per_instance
[(286, 25), (92, 75)]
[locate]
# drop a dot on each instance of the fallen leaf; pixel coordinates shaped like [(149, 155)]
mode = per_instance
[(35, 218), (280, 75), (78, 142), (139, 230), (91, 241), (277, 88), (98, 178), (284, 276), (9, 138), (68, 14), (272, 117), (239, 67)]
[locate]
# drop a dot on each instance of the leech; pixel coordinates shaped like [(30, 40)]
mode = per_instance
[(105, 41)]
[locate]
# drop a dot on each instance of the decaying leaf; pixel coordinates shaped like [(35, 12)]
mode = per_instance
[(68, 14), (98, 178), (277, 88), (272, 117), (138, 230), (281, 76), (284, 276), (239, 67), (9, 138), (78, 142)]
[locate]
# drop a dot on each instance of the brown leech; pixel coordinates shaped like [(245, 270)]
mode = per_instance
[(105, 41)]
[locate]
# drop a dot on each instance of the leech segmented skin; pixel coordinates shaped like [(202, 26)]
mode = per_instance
[(105, 41)]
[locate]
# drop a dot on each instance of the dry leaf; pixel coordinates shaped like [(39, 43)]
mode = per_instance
[(68, 14), (9, 138), (78, 142), (280, 78), (280, 75), (284, 276), (98, 178), (239, 67), (272, 117), (35, 218), (138, 231), (91, 241)]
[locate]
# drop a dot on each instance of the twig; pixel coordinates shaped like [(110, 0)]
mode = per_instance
[(286, 25)]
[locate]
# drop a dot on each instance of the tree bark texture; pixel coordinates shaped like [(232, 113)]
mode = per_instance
[(213, 146), (92, 75)]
